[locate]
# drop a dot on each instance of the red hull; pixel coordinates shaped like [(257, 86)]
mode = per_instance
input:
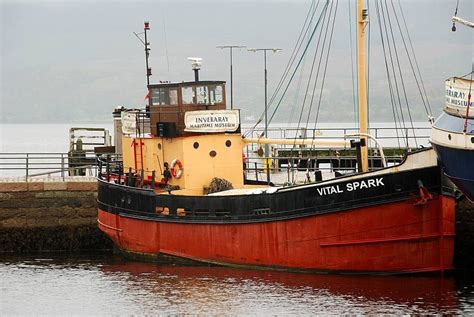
[(391, 238)]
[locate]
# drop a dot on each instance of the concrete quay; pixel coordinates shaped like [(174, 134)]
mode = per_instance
[(50, 214)]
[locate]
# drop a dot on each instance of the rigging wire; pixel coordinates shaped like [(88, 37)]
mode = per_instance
[(309, 81), (298, 64), (311, 73), (402, 82), (298, 86), (322, 57), (325, 67), (325, 70), (396, 89), (416, 75), (297, 93), (455, 14), (392, 101), (166, 43), (468, 101), (355, 97), (306, 27), (392, 65), (468, 106), (368, 73), (303, 33)]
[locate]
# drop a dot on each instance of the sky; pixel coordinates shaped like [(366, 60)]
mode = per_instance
[(75, 61)]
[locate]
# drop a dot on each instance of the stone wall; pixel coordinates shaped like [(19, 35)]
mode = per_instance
[(50, 216)]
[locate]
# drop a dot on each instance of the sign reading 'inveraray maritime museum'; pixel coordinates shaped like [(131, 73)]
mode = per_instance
[(457, 90), (212, 121)]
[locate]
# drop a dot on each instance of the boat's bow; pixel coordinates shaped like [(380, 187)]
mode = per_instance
[(453, 136)]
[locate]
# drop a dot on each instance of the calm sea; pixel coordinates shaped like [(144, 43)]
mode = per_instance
[(45, 138), (54, 284), (54, 138), (108, 285)]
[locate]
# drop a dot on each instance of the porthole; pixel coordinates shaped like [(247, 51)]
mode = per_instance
[(159, 146), (472, 139), (195, 145), (228, 143), (449, 137), (212, 153)]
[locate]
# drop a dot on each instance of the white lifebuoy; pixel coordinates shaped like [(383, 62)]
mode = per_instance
[(176, 174)]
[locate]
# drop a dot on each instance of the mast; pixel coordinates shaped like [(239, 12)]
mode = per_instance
[(146, 44), (362, 20), (147, 53)]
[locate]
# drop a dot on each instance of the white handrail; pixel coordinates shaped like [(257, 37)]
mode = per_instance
[(379, 146)]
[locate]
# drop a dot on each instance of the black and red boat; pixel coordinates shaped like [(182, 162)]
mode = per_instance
[(394, 219)]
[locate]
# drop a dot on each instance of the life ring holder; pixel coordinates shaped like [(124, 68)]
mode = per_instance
[(176, 174)]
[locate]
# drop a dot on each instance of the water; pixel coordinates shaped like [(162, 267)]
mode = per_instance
[(110, 285), (48, 138), (44, 138)]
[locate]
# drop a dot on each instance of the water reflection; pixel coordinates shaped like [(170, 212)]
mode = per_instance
[(232, 290), (111, 285)]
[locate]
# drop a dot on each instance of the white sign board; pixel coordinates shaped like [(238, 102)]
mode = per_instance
[(212, 121), (457, 90), (129, 122)]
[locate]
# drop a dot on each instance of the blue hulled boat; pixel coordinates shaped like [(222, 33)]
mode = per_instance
[(453, 134)]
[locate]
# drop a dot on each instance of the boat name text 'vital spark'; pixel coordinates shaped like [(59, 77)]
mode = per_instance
[(349, 187)]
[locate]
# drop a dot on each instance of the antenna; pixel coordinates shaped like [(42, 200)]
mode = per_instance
[(196, 66), (147, 49), (148, 69)]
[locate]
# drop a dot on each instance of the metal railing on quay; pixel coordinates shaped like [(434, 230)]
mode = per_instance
[(29, 165)]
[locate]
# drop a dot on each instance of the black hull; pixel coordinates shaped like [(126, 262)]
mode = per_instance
[(289, 203)]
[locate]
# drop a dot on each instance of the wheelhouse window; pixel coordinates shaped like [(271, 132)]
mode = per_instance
[(164, 96), (188, 95), (203, 95), (215, 94)]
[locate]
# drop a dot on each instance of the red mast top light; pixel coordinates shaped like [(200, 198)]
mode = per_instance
[(147, 25)]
